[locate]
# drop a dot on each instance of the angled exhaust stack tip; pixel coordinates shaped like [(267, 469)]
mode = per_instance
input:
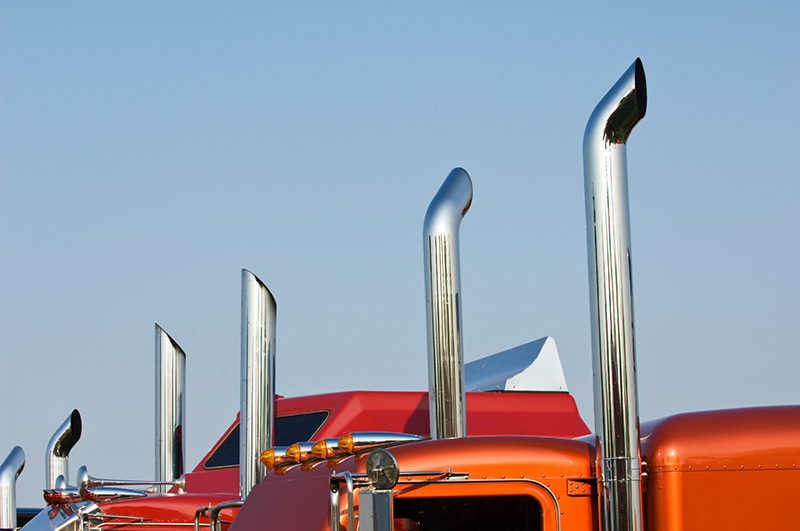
[(170, 409), (61, 443), (446, 396), (608, 237), (257, 414), (9, 472)]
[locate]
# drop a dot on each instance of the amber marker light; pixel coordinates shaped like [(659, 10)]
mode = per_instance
[(346, 443), (293, 453), (267, 458), (320, 449)]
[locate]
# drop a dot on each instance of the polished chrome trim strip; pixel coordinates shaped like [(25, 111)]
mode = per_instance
[(446, 394), (611, 293), (257, 410)]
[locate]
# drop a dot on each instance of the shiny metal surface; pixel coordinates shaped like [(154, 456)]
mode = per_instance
[(214, 513), (9, 472), (279, 458), (62, 493), (57, 453), (361, 441), (724, 469), (534, 366), (84, 481), (327, 447), (106, 494), (170, 408), (443, 305), (611, 294), (334, 504), (375, 510), (335, 480), (201, 511), (300, 452), (259, 314), (65, 517), (382, 469)]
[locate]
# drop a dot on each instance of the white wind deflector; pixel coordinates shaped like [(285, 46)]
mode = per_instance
[(534, 366)]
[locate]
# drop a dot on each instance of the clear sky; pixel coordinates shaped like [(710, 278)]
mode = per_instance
[(150, 151)]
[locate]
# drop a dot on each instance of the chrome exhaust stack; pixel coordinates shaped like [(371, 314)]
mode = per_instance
[(9, 472), (61, 443), (170, 409), (257, 414), (608, 232), (446, 397)]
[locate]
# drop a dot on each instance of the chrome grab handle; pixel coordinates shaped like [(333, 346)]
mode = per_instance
[(199, 512), (213, 513), (334, 487), (348, 480)]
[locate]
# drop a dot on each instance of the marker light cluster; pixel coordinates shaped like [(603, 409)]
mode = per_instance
[(350, 444)]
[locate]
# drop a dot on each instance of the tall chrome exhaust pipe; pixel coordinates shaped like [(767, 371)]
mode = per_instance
[(608, 236), (9, 472), (57, 453), (257, 415), (446, 396), (170, 409)]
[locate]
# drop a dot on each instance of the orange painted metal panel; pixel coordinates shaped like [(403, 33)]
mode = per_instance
[(729, 469)]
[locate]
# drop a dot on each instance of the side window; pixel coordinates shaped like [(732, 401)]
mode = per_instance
[(289, 429), (510, 513)]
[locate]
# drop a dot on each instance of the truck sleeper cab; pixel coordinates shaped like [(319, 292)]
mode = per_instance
[(729, 469), (215, 479)]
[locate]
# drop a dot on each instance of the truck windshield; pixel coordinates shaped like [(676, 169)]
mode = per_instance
[(509, 513), (289, 429)]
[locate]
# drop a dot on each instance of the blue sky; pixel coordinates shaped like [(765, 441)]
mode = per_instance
[(150, 151)]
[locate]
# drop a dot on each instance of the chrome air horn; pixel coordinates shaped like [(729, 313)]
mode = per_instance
[(88, 486), (611, 292)]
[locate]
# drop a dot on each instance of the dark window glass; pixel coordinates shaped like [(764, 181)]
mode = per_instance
[(25, 515), (289, 429), (509, 513)]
